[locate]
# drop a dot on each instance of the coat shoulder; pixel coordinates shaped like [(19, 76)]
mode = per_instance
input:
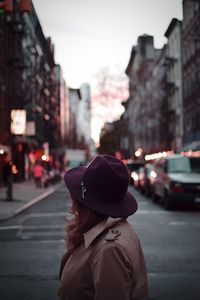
[(122, 235)]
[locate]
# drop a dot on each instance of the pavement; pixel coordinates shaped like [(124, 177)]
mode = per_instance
[(25, 194)]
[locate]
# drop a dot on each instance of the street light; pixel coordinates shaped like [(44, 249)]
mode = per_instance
[(138, 152)]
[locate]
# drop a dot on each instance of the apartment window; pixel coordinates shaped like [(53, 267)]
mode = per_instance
[(196, 6), (183, 56), (189, 85), (197, 40), (184, 89), (188, 123)]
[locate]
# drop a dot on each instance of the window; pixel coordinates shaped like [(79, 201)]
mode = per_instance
[(196, 6), (179, 165), (195, 164)]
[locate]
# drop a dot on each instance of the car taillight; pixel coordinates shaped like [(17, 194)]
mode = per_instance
[(176, 188), (153, 174), (134, 175)]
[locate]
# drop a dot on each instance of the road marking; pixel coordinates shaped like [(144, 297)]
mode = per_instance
[(53, 214), (35, 200), (42, 233), (39, 215), (183, 223), (12, 227), (178, 223), (152, 212), (48, 227)]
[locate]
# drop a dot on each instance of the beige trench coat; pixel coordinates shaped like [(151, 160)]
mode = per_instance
[(109, 265)]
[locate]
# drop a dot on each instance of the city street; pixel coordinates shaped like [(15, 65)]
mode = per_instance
[(32, 244)]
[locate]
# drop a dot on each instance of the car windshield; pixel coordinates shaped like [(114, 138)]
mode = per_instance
[(134, 166), (195, 164), (184, 165)]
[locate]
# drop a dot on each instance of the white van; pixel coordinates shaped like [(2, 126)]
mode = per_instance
[(177, 180)]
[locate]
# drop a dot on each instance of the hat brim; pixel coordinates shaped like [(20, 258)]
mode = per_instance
[(125, 208)]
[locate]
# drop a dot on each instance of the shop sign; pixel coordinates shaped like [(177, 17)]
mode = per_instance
[(18, 121)]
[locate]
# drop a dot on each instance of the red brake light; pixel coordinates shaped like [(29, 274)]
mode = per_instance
[(177, 188)]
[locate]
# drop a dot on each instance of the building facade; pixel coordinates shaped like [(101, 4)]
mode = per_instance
[(147, 109), (74, 99), (191, 70), (80, 118), (174, 84), (29, 88), (162, 112), (84, 117)]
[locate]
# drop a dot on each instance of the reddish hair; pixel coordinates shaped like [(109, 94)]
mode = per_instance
[(80, 221)]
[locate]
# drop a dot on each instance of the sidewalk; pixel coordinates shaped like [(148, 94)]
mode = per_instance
[(25, 194)]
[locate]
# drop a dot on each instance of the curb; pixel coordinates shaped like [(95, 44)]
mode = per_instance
[(31, 203)]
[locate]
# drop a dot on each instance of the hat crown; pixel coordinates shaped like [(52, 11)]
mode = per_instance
[(107, 179)]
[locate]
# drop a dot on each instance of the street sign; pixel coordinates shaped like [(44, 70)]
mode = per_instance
[(18, 121)]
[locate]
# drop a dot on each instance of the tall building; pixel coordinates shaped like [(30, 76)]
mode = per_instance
[(162, 112), (29, 102), (84, 117), (74, 99), (80, 118), (174, 84), (147, 106), (191, 70), (62, 115)]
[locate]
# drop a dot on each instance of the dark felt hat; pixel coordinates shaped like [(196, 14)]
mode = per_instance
[(102, 186)]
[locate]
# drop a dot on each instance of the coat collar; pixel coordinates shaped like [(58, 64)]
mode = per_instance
[(91, 235)]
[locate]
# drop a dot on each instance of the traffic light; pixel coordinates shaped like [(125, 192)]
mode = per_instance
[(25, 5), (6, 5)]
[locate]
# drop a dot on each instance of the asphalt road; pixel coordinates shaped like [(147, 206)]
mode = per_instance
[(32, 244)]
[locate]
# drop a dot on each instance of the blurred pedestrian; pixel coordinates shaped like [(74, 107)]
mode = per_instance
[(8, 177), (104, 259), (38, 174)]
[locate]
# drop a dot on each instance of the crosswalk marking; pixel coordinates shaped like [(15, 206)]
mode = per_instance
[(47, 234), (178, 223), (152, 212), (11, 227)]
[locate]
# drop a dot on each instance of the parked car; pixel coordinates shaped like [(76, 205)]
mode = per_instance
[(138, 178), (133, 167), (177, 180), (146, 179)]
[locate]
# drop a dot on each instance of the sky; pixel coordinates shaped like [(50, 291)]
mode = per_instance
[(91, 35)]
